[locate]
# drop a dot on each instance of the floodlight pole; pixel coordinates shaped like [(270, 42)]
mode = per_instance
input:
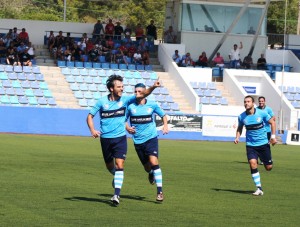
[(65, 10)]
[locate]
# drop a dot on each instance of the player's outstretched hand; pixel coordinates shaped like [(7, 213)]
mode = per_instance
[(157, 83)]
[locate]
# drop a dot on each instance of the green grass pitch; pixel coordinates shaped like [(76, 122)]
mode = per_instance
[(62, 181)]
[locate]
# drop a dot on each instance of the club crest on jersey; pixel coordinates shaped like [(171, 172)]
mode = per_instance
[(120, 103), (258, 119), (133, 111), (106, 106), (149, 110)]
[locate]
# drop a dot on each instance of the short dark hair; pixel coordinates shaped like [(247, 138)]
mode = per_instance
[(249, 96), (261, 97), (110, 83)]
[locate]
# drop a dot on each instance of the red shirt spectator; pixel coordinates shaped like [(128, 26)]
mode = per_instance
[(139, 32), (109, 29), (23, 36)]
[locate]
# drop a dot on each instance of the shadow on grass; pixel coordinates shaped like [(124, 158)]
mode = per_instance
[(232, 190), (241, 162), (107, 199)]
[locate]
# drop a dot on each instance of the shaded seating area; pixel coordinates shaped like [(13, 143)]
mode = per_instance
[(292, 93)]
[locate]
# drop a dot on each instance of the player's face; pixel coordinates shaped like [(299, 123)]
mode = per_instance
[(139, 92), (118, 88), (261, 103), (248, 103)]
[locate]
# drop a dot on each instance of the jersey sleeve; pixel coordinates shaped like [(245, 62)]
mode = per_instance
[(270, 112), (94, 110), (158, 110), (240, 121)]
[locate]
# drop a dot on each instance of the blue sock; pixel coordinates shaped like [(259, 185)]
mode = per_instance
[(157, 177), (118, 180), (256, 178)]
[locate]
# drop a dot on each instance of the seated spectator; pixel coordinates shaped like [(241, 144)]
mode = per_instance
[(94, 54), (25, 59), (110, 43), (68, 40), (137, 57), (15, 35), (7, 39), (31, 50), (118, 31), (247, 62), (59, 39), (208, 29), (127, 41), (131, 51), (82, 46), (67, 53), (251, 31), (170, 35), (145, 58), (3, 49), (177, 58), (218, 60), (89, 46), (23, 36), (76, 53), (21, 48), (143, 44), (262, 63), (12, 57), (202, 60), (139, 32), (122, 58), (187, 60)]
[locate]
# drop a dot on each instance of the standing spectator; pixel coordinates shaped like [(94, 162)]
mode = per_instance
[(68, 40), (23, 36), (202, 60), (170, 36), (51, 41), (234, 56), (59, 39), (118, 31), (247, 62), (109, 29), (139, 32), (145, 58), (3, 48), (15, 35), (144, 134), (257, 143), (187, 60), (177, 58), (98, 27), (261, 62), (112, 110), (218, 60), (151, 32), (128, 30)]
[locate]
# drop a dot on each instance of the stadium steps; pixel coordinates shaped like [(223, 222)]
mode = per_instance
[(42, 56), (226, 94), (59, 87), (175, 92)]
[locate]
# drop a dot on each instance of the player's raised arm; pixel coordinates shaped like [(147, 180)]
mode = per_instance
[(149, 90)]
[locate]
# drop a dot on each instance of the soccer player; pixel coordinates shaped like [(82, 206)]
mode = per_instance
[(262, 106), (257, 144), (112, 111), (143, 129)]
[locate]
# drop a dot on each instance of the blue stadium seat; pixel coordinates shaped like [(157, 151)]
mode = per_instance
[(102, 59), (25, 84), (137, 75), (88, 95), (131, 67), (51, 102), (93, 72), (82, 103), (78, 94), (9, 68), (213, 101), (12, 76), (153, 76), (3, 76), (19, 92), (223, 101), (93, 87), (2, 68), (105, 65), (83, 87), (102, 73), (211, 86), (27, 69), (289, 96), (148, 67), (88, 80), (32, 101), (97, 95), (165, 106), (70, 79), (38, 93), (202, 85), (6, 83), (169, 99), (10, 91), (30, 76), (145, 75), (164, 91), (174, 106), (70, 64), (140, 67), (200, 92), (88, 64), (123, 66), (114, 66), (43, 85), (75, 72), (194, 85), (291, 89), (218, 93), (84, 72), (4, 99), (85, 57), (287, 68), (48, 94), (102, 88), (79, 64), (277, 67), (91, 102), (36, 69), (159, 98), (79, 79), (23, 100), (96, 65), (61, 64), (128, 89), (42, 101), (18, 69), (14, 100), (208, 93), (97, 80), (29, 93), (66, 71), (297, 97)]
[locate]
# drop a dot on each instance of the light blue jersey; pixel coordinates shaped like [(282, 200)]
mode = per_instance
[(256, 133), (270, 112), (112, 115), (142, 118)]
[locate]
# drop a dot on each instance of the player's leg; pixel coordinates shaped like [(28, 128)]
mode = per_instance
[(266, 156), (252, 159)]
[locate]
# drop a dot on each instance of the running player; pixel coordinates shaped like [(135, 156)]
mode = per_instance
[(112, 111), (257, 144), (143, 129)]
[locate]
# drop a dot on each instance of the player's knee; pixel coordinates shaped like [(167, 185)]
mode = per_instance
[(269, 167)]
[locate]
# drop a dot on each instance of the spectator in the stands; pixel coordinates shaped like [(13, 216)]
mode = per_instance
[(218, 60), (262, 62), (170, 35), (128, 30), (118, 31), (67, 53), (151, 32), (15, 35), (31, 51), (51, 41), (12, 56), (202, 60), (98, 27), (177, 58), (234, 56), (187, 60), (145, 58), (110, 43), (76, 53), (94, 54), (3, 49), (23, 36), (7, 39), (59, 39), (139, 32), (21, 48), (143, 44), (131, 51), (127, 41), (247, 62), (90, 46), (68, 40), (251, 31), (137, 57), (109, 29), (25, 59), (82, 46)]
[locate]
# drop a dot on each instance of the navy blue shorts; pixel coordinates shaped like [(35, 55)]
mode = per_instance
[(114, 148), (144, 150), (262, 152)]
